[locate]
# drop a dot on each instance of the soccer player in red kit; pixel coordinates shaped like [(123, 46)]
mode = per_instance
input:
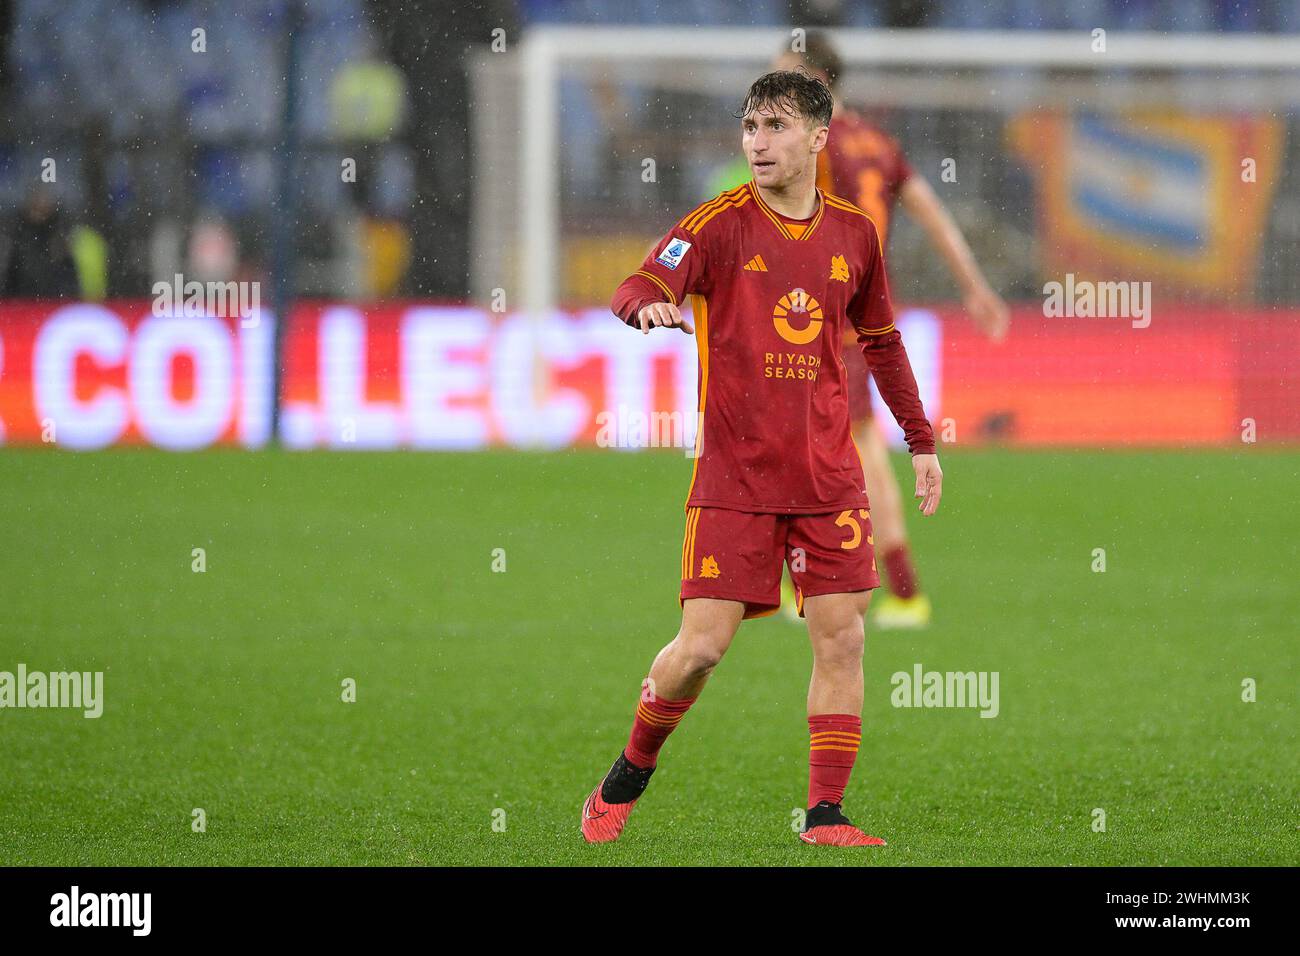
[(777, 269), (866, 165)]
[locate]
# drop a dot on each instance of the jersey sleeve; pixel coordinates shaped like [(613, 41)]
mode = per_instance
[(872, 315), (674, 269)]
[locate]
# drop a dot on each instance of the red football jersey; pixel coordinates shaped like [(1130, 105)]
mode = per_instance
[(772, 297), (864, 164)]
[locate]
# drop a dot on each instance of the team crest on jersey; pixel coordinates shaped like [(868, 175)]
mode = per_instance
[(839, 269), (672, 254), (709, 567), (804, 308)]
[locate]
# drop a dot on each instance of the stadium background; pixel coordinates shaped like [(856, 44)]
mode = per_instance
[(397, 315)]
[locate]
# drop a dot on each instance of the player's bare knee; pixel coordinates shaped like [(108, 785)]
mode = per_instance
[(700, 648), (699, 656), (840, 644)]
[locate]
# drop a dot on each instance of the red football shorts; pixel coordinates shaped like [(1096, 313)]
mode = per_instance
[(859, 392), (737, 556)]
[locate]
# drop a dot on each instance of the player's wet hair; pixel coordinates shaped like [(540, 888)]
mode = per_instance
[(793, 91)]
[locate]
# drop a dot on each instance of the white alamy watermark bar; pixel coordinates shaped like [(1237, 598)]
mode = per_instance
[(76, 690), (1085, 299), (631, 428), (194, 299), (922, 688), (130, 910)]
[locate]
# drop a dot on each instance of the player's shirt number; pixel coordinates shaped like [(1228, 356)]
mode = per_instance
[(847, 520)]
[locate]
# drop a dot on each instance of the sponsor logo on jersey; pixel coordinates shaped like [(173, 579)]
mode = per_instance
[(672, 254), (756, 264), (804, 308)]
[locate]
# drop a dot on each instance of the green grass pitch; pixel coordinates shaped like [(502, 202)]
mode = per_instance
[(486, 696)]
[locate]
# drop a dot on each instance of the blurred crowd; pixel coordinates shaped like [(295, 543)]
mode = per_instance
[(1191, 15), (142, 138)]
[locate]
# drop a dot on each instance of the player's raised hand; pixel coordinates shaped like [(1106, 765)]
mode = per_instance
[(665, 314), (929, 482), (989, 312)]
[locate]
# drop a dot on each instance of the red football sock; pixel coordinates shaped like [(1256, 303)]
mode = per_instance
[(832, 748), (655, 719), (901, 574)]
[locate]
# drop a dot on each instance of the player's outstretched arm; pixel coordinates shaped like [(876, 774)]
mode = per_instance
[(983, 305), (674, 268)]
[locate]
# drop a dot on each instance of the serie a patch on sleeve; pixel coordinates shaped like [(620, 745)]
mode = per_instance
[(672, 254)]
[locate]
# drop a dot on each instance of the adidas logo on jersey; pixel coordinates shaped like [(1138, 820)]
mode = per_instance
[(756, 264)]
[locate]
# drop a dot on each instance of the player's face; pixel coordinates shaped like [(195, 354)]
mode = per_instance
[(780, 146)]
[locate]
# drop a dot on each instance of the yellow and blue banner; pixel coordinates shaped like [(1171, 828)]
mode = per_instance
[(1180, 199)]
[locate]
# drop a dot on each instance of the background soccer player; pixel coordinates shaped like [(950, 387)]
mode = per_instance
[(779, 270), (866, 165)]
